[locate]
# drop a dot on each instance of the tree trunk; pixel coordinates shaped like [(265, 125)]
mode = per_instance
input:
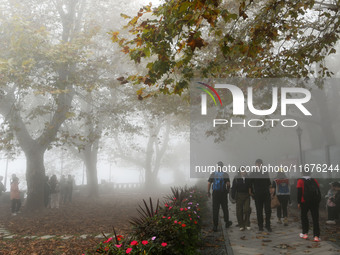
[(90, 159), (35, 177)]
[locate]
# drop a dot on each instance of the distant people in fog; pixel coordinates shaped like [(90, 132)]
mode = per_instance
[(331, 204), (55, 190), (2, 187), (15, 195), (47, 192)]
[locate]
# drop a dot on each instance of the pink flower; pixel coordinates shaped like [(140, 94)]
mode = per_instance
[(175, 221), (134, 242), (145, 242), (190, 218), (153, 238), (108, 240), (181, 209), (164, 244), (128, 250), (169, 218), (118, 245)]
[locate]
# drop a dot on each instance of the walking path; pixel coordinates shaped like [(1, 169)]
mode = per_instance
[(4, 234), (283, 239)]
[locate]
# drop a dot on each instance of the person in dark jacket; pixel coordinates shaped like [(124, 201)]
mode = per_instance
[(240, 192), (261, 185), (309, 197), (220, 183)]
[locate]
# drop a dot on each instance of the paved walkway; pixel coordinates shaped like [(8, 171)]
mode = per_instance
[(283, 239)]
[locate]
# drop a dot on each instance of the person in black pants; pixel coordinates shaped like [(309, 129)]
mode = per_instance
[(260, 191), (220, 183), (240, 192), (282, 190), (308, 200)]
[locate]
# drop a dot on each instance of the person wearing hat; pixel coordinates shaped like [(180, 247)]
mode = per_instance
[(220, 183)]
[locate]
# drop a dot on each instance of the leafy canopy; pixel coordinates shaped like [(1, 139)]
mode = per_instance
[(179, 40)]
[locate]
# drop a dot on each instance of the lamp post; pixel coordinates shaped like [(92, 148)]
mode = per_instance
[(299, 133)]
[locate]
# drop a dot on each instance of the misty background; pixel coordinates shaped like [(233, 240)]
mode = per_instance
[(61, 95)]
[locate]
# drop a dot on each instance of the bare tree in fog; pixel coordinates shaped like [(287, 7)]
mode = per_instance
[(157, 120)]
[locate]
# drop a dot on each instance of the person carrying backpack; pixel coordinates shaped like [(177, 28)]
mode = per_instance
[(220, 183), (309, 197)]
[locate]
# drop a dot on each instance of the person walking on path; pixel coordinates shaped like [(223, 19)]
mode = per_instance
[(220, 183), (260, 183), (282, 191), (309, 197), (240, 192), (15, 195)]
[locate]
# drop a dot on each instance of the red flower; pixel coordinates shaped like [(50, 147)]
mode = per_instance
[(183, 225), (145, 242), (195, 222), (164, 244), (190, 218), (134, 242), (128, 250), (179, 222)]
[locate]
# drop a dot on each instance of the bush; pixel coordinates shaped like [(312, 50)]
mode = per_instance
[(173, 228)]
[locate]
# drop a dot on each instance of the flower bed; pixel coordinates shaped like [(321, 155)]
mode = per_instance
[(172, 228)]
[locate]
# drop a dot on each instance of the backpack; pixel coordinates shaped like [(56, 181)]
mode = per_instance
[(311, 191), (219, 184)]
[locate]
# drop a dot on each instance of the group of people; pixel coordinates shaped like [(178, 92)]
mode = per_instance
[(58, 192), (258, 186), (55, 192)]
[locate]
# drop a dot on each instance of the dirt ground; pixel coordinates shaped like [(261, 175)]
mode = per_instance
[(82, 216)]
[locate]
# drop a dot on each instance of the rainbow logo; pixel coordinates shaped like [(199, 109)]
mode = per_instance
[(209, 93)]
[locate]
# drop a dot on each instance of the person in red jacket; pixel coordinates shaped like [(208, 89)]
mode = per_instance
[(309, 197)]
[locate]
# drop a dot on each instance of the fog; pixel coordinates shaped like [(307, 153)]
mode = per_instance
[(65, 111)]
